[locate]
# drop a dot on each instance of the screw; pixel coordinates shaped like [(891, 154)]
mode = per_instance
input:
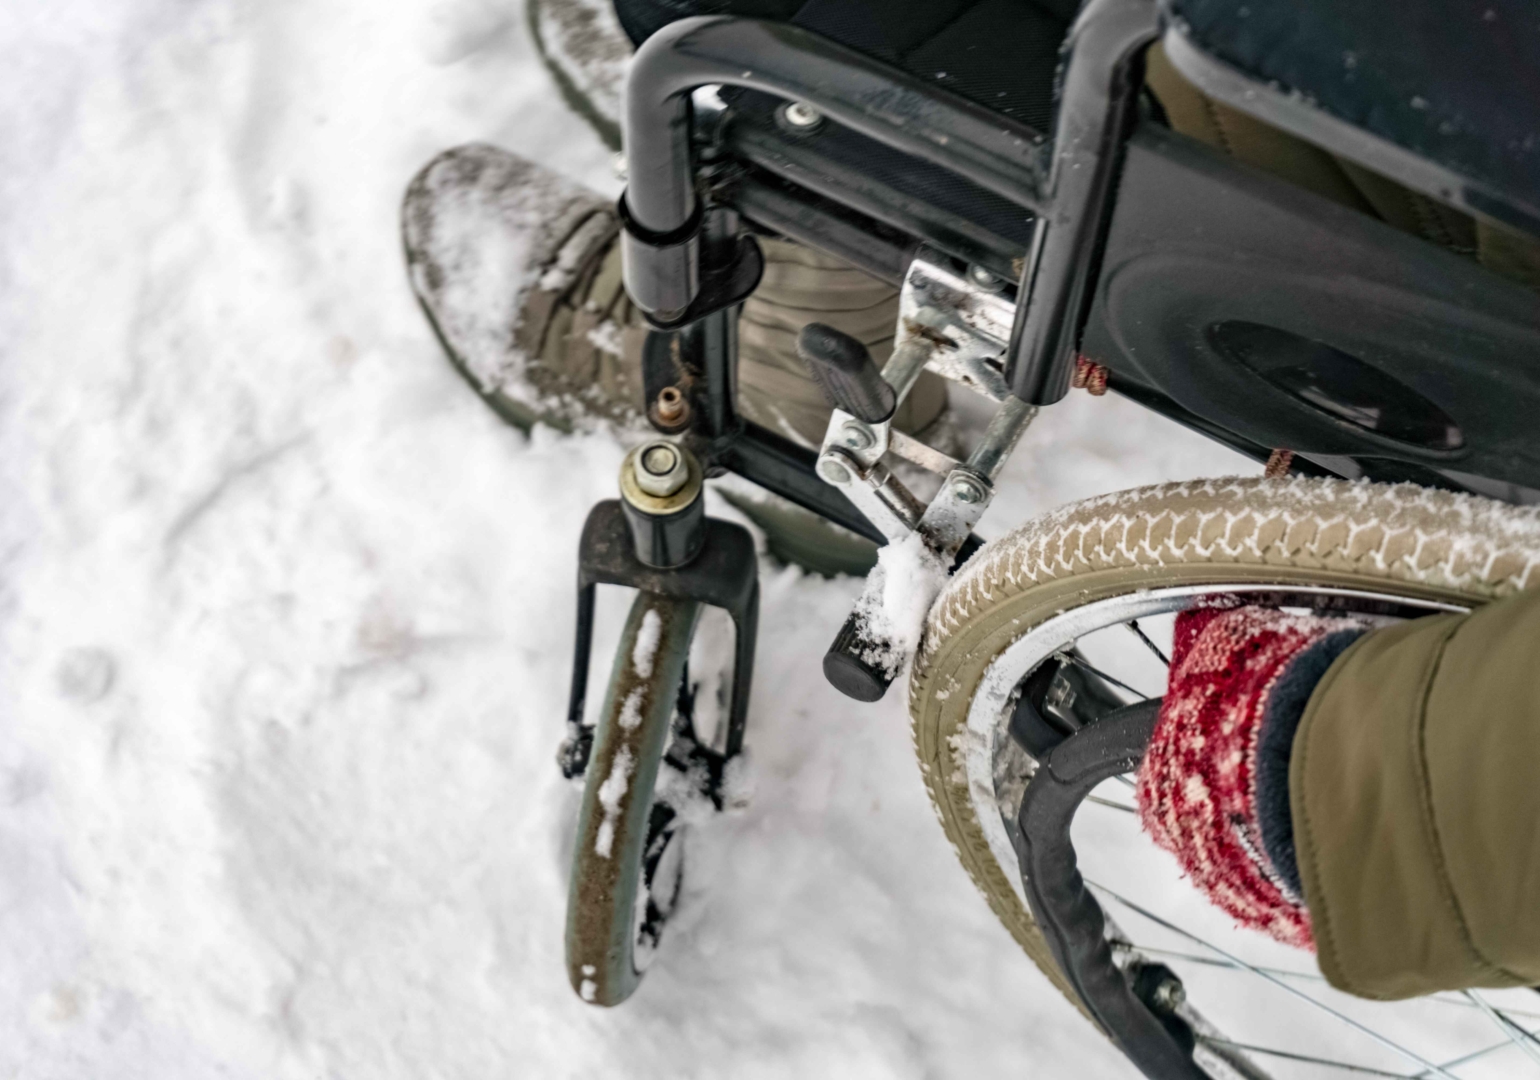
[(660, 469), (1168, 996), (965, 489), (856, 437), (671, 405), (834, 472), (984, 279), (801, 115)]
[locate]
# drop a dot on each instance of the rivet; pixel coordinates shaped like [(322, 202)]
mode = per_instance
[(856, 437), (833, 471), (965, 490), (799, 114)]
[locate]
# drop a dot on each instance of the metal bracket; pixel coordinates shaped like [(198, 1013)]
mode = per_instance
[(874, 490), (725, 574), (958, 326), (965, 319)]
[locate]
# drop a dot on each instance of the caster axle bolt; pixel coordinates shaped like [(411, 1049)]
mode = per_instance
[(660, 469)]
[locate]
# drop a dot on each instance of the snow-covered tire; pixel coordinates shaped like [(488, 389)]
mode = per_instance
[(617, 830), (1401, 540)]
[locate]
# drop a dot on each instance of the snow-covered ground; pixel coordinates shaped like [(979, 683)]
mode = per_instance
[(286, 618)]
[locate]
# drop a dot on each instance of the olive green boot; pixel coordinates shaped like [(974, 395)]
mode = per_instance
[(518, 271)]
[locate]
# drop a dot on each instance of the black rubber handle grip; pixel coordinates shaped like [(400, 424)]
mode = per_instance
[(846, 373)]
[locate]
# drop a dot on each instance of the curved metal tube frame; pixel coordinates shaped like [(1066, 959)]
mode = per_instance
[(1068, 186), (725, 574), (866, 95), (1099, 103)]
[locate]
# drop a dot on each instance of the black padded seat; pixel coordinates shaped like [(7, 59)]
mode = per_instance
[(1001, 54), (1457, 83)]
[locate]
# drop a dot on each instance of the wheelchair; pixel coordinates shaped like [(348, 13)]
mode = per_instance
[(1048, 229)]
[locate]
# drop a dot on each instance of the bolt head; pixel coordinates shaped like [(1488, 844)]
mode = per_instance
[(856, 437), (984, 279), (1169, 995), (967, 491), (833, 471), (660, 469), (799, 114)]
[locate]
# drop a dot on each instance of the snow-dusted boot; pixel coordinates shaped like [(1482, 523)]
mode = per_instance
[(518, 270), (586, 52), (519, 273)]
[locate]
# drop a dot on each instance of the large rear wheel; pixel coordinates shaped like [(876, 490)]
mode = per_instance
[(1066, 623)]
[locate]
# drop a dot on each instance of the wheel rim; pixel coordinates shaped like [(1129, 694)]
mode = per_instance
[(992, 699), (995, 764)]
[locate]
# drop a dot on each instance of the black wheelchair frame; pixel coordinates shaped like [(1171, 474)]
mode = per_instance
[(1263, 316), (905, 163)]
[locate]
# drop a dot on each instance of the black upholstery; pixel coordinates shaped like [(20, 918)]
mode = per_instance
[(1201, 246), (642, 18), (1001, 54), (1454, 81)]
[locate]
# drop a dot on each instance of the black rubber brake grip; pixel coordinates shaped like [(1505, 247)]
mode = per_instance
[(847, 667), (846, 373)]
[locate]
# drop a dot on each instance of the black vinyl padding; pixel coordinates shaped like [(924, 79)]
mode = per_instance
[(1001, 54), (1454, 81), (640, 19)]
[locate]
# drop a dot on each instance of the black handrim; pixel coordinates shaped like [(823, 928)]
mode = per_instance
[(1070, 917)]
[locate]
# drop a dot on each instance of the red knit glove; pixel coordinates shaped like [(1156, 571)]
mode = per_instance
[(1213, 788)]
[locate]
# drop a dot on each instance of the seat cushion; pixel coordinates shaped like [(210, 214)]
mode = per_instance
[(1455, 83), (1001, 54)]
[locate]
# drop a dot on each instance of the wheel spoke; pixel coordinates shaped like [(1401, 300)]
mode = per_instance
[(1463, 1059), (1308, 1059), (1443, 999), (1099, 801), (1133, 624), (1061, 638), (1209, 961), (1517, 1035), (1311, 976), (1452, 1063), (1388, 1043), (1083, 663)]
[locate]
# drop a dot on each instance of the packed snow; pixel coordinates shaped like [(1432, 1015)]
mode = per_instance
[(899, 592), (645, 651), (287, 615), (610, 793)]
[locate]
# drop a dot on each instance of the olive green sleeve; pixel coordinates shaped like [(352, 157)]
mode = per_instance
[(1415, 791)]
